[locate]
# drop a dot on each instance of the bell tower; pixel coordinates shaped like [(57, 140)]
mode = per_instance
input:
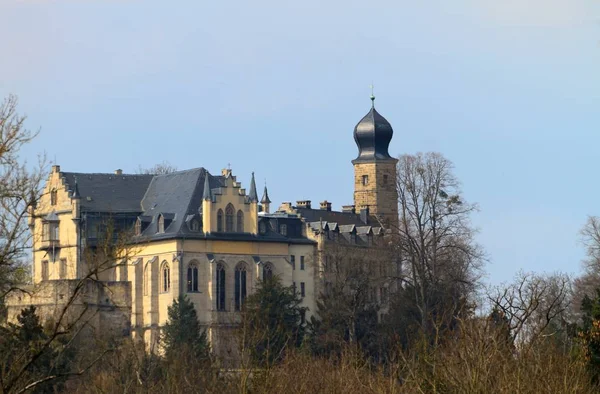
[(374, 168)]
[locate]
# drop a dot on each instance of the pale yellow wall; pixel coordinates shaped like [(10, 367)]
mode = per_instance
[(67, 230), (231, 194), (150, 310)]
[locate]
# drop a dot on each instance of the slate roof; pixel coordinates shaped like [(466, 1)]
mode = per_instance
[(176, 195), (341, 218), (109, 192)]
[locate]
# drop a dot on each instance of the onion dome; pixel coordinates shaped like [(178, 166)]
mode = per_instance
[(373, 135)]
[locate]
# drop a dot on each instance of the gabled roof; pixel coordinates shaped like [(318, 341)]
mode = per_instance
[(108, 192), (176, 196)]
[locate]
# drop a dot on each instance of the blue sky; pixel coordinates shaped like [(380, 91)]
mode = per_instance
[(507, 90)]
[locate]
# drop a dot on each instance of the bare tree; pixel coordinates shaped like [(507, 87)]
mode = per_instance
[(440, 258), (20, 188), (158, 169), (589, 280), (534, 306)]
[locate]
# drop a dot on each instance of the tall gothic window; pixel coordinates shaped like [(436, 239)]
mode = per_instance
[(229, 212), (146, 279), (267, 271), (240, 222), (220, 279), (220, 220), (192, 278), (53, 197), (166, 277), (240, 285)]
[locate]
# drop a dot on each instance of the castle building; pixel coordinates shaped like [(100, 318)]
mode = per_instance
[(200, 234)]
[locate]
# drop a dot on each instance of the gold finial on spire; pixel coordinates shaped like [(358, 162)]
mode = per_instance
[(372, 96)]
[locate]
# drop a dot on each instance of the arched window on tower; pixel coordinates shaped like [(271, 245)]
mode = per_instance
[(220, 220), (229, 212), (220, 293), (166, 277), (192, 277), (53, 197), (240, 222), (267, 271), (240, 285)]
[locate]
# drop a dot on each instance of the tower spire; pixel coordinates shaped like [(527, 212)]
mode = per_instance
[(206, 193), (253, 195), (372, 96)]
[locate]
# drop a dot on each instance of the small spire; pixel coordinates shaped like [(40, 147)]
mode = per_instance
[(265, 198), (372, 96), (206, 193), (253, 195), (76, 190)]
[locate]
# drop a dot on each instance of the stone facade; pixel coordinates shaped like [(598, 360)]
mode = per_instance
[(375, 187)]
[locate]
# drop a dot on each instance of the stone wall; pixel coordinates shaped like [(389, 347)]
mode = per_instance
[(104, 307)]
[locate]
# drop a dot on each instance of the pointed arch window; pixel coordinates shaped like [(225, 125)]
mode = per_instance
[(220, 293), (240, 285), (138, 227), (267, 271), (166, 277), (220, 220), (146, 280), (192, 278), (240, 221), (229, 212)]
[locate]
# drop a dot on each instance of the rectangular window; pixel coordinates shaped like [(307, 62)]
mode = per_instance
[(294, 287), (53, 197), (301, 263), (63, 269), (45, 270), (385, 180), (302, 290), (293, 261), (365, 180), (283, 230)]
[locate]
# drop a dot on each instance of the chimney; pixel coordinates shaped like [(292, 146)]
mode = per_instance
[(286, 207), (226, 172), (303, 204), (348, 208), (119, 172), (364, 214), (56, 168), (325, 205)]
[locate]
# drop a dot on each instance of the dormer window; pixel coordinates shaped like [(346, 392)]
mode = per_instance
[(283, 230), (262, 228), (195, 225), (138, 227)]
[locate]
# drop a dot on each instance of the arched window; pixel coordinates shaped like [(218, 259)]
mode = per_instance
[(166, 277), (267, 271), (220, 279), (240, 285), (220, 220), (240, 222), (192, 278), (195, 225), (229, 211), (138, 227), (146, 280)]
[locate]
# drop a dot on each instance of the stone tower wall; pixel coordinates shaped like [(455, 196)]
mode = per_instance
[(380, 193)]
